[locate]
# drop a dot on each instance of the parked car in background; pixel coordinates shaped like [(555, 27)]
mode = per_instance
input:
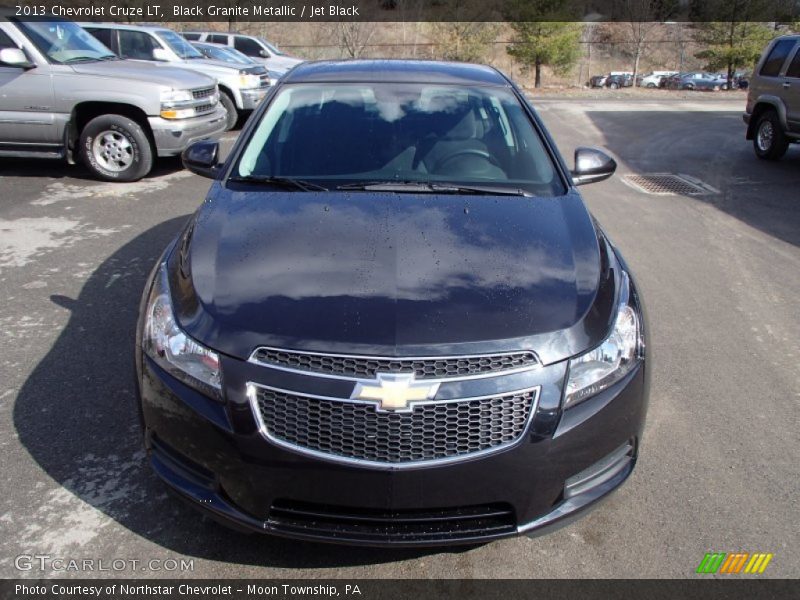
[(65, 95), (741, 80), (653, 79), (252, 46), (598, 81), (722, 79), (619, 80), (696, 80), (232, 56), (241, 87), (772, 113)]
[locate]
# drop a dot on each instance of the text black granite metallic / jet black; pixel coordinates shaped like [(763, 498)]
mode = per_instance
[(393, 321)]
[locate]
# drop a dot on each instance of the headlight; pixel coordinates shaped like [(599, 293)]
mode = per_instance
[(174, 104), (172, 349), (602, 367), (176, 96), (247, 81)]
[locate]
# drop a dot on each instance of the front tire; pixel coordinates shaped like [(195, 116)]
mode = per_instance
[(230, 109), (769, 141), (613, 86), (116, 148)]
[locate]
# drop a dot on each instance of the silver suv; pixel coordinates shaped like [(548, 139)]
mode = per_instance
[(773, 99), (241, 88), (65, 95)]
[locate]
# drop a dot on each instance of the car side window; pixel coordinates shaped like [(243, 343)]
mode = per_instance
[(794, 67), (777, 56), (5, 41), (102, 35), (247, 46), (192, 37), (136, 44), (218, 39)]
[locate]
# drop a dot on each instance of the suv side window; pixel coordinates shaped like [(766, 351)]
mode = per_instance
[(794, 67), (216, 38), (103, 35), (136, 44), (777, 56), (247, 46)]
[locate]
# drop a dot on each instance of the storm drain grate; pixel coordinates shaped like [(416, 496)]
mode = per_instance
[(668, 184)]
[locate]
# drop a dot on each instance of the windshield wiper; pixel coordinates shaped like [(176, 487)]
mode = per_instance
[(76, 59), (286, 182), (436, 188)]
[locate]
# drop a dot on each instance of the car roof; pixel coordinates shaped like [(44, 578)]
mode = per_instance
[(395, 70), (136, 27)]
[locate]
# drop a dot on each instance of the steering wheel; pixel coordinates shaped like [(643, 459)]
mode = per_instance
[(466, 152)]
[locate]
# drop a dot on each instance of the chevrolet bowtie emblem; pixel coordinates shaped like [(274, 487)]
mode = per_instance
[(394, 391)]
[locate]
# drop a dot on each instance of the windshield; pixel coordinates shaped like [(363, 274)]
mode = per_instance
[(334, 134), (223, 54), (272, 47), (179, 45), (64, 41)]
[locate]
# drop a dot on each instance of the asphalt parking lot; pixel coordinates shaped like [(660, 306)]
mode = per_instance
[(720, 274)]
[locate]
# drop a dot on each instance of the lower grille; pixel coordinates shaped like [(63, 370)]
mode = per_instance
[(203, 108), (379, 526), (354, 431)]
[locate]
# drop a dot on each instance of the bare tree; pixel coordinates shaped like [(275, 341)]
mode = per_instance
[(353, 37), (410, 13), (641, 20)]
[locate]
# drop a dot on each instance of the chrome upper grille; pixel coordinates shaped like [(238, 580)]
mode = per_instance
[(204, 93), (354, 431), (366, 367)]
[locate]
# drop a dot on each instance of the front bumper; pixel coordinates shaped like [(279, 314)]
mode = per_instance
[(213, 455), (173, 136), (253, 97)]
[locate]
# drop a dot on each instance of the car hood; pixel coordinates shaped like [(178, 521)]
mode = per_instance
[(392, 273), (282, 63), (171, 77), (212, 68)]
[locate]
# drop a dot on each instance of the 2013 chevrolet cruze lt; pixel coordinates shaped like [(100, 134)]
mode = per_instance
[(393, 320)]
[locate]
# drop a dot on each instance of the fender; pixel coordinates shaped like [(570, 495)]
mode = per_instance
[(772, 101)]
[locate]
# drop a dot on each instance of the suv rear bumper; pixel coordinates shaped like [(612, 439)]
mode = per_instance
[(173, 136)]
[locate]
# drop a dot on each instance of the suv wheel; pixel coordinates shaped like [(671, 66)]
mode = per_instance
[(613, 86), (116, 148), (230, 109), (769, 141)]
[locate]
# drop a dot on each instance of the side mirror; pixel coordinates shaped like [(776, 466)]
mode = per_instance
[(160, 54), (592, 165), (14, 57), (202, 158), (263, 53)]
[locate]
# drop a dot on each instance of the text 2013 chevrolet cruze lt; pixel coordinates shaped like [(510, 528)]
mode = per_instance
[(393, 320)]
